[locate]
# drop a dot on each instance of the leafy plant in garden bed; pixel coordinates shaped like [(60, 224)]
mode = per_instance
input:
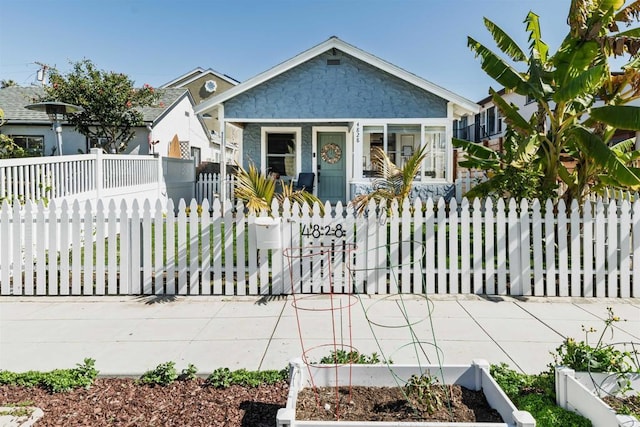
[(603, 370), (536, 394)]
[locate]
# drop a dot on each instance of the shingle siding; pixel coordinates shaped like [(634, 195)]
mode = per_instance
[(353, 89)]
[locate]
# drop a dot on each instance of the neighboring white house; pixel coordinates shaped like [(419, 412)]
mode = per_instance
[(172, 118), (488, 127), (204, 84)]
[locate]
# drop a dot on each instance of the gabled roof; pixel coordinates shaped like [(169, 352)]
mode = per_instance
[(336, 43), (168, 98), (195, 74), (14, 99)]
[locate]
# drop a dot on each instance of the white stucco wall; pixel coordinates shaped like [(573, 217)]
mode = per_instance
[(181, 121)]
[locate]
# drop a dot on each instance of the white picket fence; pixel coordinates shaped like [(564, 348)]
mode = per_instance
[(209, 186), (482, 248)]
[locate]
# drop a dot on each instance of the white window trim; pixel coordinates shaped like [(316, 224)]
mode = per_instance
[(445, 123), (297, 131)]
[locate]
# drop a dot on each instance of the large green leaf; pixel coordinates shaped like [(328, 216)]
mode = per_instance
[(598, 152), (474, 149), (526, 151), (539, 49), (477, 156), (497, 69), (586, 82), (633, 32), (573, 58), (619, 116), (505, 42), (510, 114)]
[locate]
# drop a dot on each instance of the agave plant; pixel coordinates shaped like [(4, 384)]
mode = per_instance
[(580, 101), (258, 191), (391, 182)]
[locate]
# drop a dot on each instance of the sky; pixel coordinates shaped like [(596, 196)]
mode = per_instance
[(156, 41)]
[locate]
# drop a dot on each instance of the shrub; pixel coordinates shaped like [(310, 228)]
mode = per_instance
[(54, 381)]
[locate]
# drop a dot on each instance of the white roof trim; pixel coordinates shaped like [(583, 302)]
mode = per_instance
[(213, 73), (336, 43), (198, 71)]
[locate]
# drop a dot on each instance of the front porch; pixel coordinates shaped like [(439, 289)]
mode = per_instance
[(339, 153)]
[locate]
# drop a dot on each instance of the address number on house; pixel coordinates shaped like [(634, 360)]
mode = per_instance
[(323, 230)]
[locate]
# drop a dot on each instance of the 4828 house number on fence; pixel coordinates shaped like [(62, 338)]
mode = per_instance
[(317, 230)]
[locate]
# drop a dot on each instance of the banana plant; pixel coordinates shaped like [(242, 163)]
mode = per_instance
[(580, 102)]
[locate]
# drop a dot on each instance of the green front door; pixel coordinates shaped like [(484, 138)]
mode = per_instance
[(332, 167)]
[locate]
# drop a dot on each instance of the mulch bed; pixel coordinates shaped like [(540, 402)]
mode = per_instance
[(449, 403), (123, 402)]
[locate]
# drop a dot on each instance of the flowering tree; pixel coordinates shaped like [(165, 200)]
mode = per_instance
[(110, 101)]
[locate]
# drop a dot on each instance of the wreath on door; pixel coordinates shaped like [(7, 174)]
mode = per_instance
[(331, 153)]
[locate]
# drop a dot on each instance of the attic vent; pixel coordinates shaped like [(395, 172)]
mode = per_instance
[(333, 61)]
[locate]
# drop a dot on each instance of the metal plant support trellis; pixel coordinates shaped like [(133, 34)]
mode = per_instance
[(325, 322)]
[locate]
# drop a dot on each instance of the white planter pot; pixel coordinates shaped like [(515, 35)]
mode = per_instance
[(474, 377), (580, 392)]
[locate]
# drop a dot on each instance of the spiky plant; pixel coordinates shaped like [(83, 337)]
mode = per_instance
[(391, 182), (258, 191)]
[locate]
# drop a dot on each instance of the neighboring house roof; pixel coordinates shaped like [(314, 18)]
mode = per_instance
[(464, 105), (195, 74), (14, 99), (489, 98), (168, 98)]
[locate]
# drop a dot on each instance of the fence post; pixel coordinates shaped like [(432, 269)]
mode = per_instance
[(98, 172), (160, 179)]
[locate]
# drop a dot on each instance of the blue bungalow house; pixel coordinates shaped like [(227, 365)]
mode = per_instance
[(323, 110)]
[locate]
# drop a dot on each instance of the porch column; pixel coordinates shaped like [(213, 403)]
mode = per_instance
[(358, 153), (448, 135)]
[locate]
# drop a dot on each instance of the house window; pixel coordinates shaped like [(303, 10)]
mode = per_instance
[(373, 136), (461, 128), (281, 154), (403, 140), (435, 162), (491, 121), (196, 155), (483, 124), (33, 145), (530, 99), (99, 142)]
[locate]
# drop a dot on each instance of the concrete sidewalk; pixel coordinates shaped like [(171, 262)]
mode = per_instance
[(130, 335)]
